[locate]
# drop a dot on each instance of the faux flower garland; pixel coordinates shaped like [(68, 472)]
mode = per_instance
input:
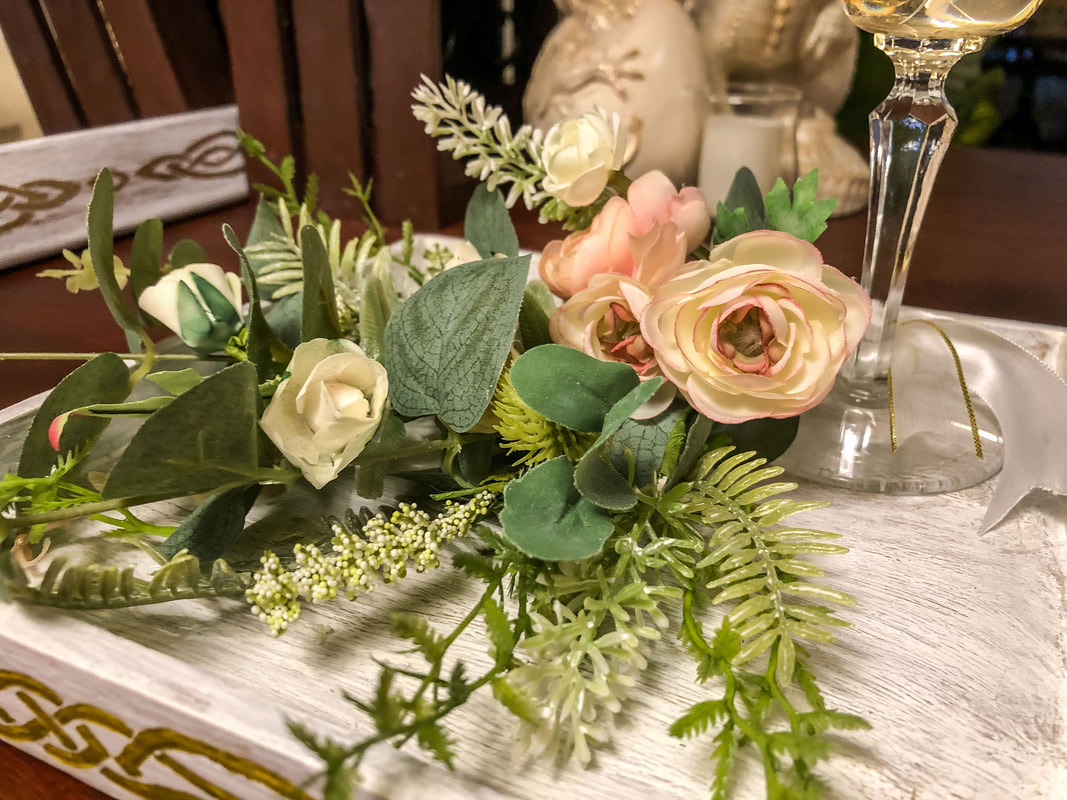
[(596, 461)]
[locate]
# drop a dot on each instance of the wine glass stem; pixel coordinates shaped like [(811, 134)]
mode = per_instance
[(910, 132)]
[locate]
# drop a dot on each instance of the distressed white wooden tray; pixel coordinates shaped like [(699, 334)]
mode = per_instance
[(957, 658)]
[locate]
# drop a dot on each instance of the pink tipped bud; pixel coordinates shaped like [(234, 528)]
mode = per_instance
[(55, 430)]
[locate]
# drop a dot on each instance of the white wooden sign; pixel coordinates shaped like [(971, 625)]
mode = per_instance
[(166, 167)]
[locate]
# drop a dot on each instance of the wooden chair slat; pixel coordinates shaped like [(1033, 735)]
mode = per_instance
[(152, 78), (258, 37), (328, 44), (195, 44), (90, 60), (405, 41), (40, 68)]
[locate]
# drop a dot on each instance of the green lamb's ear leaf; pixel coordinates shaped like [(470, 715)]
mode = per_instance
[(597, 479), (319, 319), (145, 255), (570, 388), (446, 346), (186, 252), (742, 210), (260, 335), (804, 216), (176, 381), (488, 225), (546, 517), (206, 438), (105, 379), (216, 523), (537, 307), (101, 253)]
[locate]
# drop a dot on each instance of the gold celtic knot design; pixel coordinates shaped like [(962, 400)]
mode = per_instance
[(72, 734), (216, 155), (19, 204)]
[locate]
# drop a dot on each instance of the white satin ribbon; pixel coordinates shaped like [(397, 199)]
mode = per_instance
[(1028, 399)]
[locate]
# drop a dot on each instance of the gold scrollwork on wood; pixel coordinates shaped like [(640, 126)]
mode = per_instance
[(20, 204), (213, 156), (71, 734)]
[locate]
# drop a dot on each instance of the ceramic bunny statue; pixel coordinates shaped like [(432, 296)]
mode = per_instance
[(809, 44), (640, 58)]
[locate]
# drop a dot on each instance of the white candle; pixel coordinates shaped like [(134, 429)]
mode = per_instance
[(735, 141)]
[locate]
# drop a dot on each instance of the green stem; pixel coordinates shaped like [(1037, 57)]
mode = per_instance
[(619, 182), (91, 356)]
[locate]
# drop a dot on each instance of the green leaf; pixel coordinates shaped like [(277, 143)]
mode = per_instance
[(284, 315), (260, 335), (785, 661), (373, 316), (418, 629), (698, 718), (265, 228), (101, 253), (537, 308), (370, 480), (446, 346), (597, 479), (546, 517), (768, 438), (145, 268), (804, 216), (514, 701), (699, 432), (646, 440), (176, 381), (214, 526), (742, 210), (184, 253), (105, 379), (435, 740), (570, 388), (487, 224), (319, 319), (204, 439), (498, 630)]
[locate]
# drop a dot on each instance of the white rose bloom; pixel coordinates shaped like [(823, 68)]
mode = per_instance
[(199, 302), (463, 253), (322, 416), (580, 154)]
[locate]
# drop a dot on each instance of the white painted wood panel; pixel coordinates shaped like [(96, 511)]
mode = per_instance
[(957, 658), (166, 167)]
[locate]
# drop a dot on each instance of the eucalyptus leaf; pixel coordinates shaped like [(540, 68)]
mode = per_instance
[(487, 224), (213, 526), (145, 255), (283, 316), (105, 379), (101, 253), (319, 319), (546, 517), (260, 334), (206, 438), (646, 441), (184, 253), (594, 476), (537, 307), (569, 387), (445, 347), (744, 196)]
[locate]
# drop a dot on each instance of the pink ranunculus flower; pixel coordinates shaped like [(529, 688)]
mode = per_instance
[(758, 330), (567, 266)]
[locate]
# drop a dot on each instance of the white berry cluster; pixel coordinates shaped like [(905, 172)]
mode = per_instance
[(380, 551)]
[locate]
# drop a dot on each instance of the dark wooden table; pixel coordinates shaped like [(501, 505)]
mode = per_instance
[(994, 242)]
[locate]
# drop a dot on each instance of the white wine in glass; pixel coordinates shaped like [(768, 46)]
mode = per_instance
[(849, 440)]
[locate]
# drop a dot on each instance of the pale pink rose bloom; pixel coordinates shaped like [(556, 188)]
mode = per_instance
[(603, 320), (759, 330), (568, 265)]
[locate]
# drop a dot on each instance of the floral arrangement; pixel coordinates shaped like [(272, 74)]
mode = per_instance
[(589, 448)]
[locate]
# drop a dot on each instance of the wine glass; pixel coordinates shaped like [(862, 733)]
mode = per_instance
[(847, 440)]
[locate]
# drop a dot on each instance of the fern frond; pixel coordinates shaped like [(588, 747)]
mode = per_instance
[(95, 586)]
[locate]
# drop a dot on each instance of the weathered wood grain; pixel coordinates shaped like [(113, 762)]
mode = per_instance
[(167, 167)]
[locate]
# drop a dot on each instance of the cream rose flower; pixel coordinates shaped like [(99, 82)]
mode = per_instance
[(580, 154), (322, 416), (758, 330)]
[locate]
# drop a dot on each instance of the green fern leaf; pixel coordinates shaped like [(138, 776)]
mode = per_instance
[(498, 630), (698, 718), (418, 630), (433, 738)]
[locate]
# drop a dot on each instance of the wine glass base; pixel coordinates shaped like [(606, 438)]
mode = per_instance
[(844, 443)]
